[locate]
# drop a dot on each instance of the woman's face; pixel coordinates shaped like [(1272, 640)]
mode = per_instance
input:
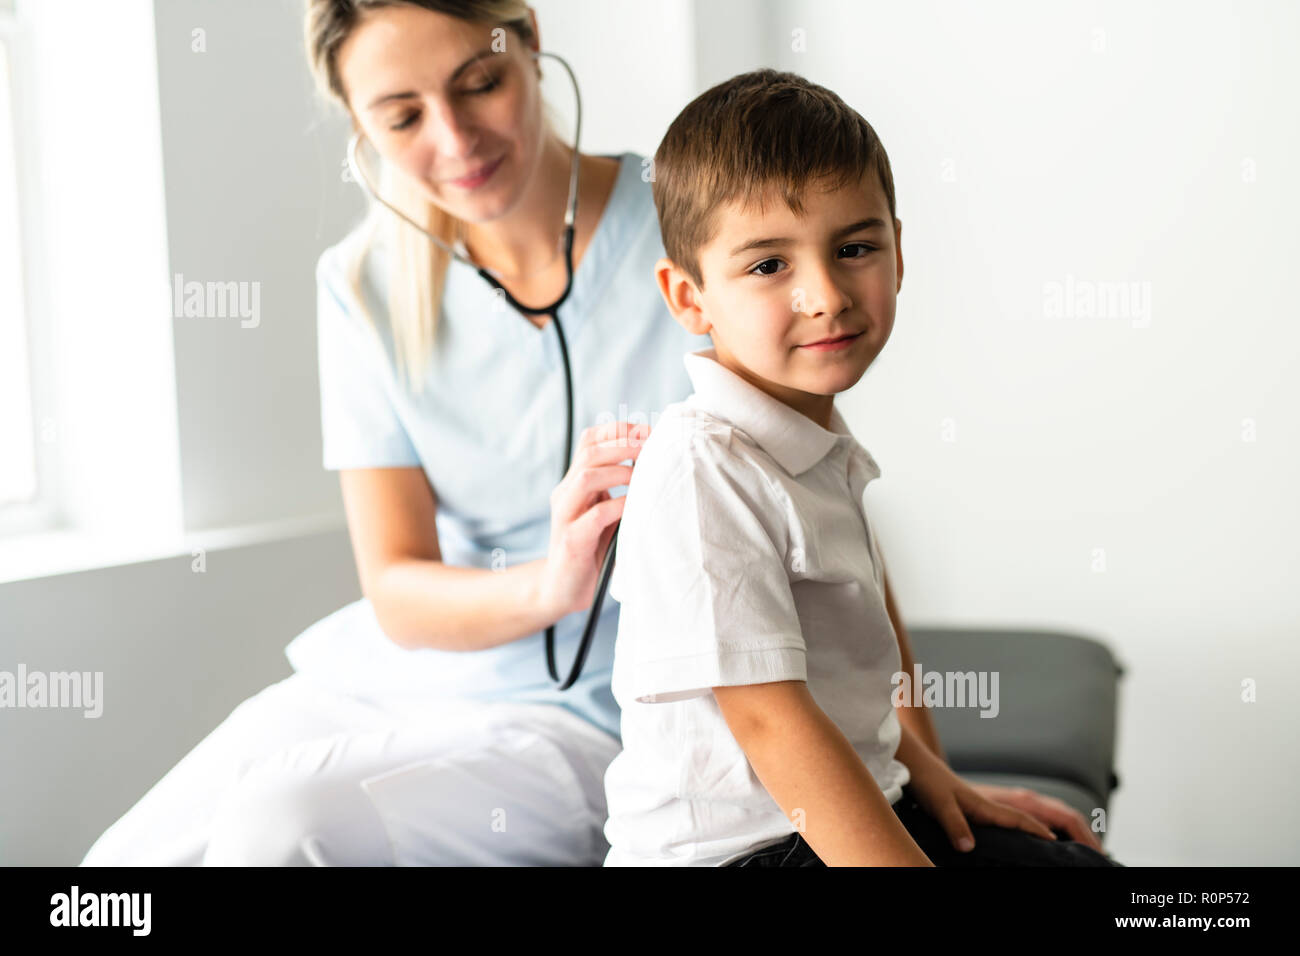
[(442, 100)]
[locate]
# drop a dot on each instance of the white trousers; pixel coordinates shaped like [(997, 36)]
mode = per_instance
[(299, 775)]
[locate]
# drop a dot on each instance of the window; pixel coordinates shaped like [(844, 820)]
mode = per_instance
[(89, 459), (18, 471)]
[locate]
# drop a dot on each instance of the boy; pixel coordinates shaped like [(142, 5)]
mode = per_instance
[(754, 656)]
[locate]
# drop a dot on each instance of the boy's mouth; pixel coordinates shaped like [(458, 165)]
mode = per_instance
[(839, 342)]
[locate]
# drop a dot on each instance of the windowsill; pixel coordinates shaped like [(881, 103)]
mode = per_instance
[(47, 554)]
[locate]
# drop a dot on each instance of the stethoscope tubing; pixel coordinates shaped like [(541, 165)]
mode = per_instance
[(553, 310)]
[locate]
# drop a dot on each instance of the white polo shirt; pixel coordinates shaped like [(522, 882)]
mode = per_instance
[(744, 557)]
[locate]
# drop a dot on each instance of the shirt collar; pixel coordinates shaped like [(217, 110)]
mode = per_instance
[(792, 438)]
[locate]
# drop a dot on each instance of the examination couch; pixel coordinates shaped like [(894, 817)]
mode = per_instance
[(1057, 711)]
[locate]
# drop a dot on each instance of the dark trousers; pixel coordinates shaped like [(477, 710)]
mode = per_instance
[(994, 846)]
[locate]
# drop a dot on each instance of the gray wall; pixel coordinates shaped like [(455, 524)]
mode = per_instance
[(251, 161), (178, 651)]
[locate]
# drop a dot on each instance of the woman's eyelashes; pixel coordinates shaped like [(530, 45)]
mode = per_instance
[(488, 87), (866, 248), (409, 119)]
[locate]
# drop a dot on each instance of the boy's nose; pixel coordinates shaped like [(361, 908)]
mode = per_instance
[(822, 295)]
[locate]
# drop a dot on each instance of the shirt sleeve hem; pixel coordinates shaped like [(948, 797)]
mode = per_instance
[(681, 678)]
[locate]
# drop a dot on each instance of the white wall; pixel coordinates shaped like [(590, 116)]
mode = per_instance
[(1106, 142), (1022, 155), (633, 63)]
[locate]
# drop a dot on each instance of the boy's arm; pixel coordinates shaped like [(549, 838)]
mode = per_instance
[(916, 719), (807, 764)]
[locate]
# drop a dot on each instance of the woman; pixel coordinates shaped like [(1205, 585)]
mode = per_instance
[(420, 725)]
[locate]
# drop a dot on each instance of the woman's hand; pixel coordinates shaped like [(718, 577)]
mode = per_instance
[(584, 516), (955, 804)]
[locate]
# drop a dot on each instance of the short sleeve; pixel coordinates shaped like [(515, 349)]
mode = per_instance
[(360, 428), (705, 598)]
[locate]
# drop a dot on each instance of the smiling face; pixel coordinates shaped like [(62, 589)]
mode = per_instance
[(774, 283), (431, 95)]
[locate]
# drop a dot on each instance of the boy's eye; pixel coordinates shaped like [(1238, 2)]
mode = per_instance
[(866, 249), (758, 269)]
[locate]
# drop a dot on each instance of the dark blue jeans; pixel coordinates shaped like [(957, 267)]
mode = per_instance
[(994, 846)]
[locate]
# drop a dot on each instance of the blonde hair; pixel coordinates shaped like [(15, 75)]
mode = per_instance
[(417, 269)]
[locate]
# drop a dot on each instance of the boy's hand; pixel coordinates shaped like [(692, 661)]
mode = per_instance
[(955, 804), (1055, 813)]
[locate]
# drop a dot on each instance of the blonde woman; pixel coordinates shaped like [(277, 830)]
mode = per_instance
[(421, 725)]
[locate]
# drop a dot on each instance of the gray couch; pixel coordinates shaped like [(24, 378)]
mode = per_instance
[(1058, 702)]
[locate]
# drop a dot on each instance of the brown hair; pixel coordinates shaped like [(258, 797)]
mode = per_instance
[(417, 266), (758, 131)]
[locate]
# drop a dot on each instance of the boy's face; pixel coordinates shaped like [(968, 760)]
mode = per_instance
[(775, 283)]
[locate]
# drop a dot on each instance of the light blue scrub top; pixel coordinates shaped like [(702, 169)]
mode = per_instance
[(488, 432)]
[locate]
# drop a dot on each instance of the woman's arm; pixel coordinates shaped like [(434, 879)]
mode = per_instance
[(420, 601)]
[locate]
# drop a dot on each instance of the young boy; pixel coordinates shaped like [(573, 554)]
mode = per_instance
[(754, 656)]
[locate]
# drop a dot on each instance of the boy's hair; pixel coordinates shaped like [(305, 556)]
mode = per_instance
[(754, 132)]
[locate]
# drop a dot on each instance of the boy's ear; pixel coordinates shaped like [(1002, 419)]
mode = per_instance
[(898, 246), (681, 297)]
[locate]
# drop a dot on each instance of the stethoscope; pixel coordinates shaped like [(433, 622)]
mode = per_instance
[(553, 311)]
